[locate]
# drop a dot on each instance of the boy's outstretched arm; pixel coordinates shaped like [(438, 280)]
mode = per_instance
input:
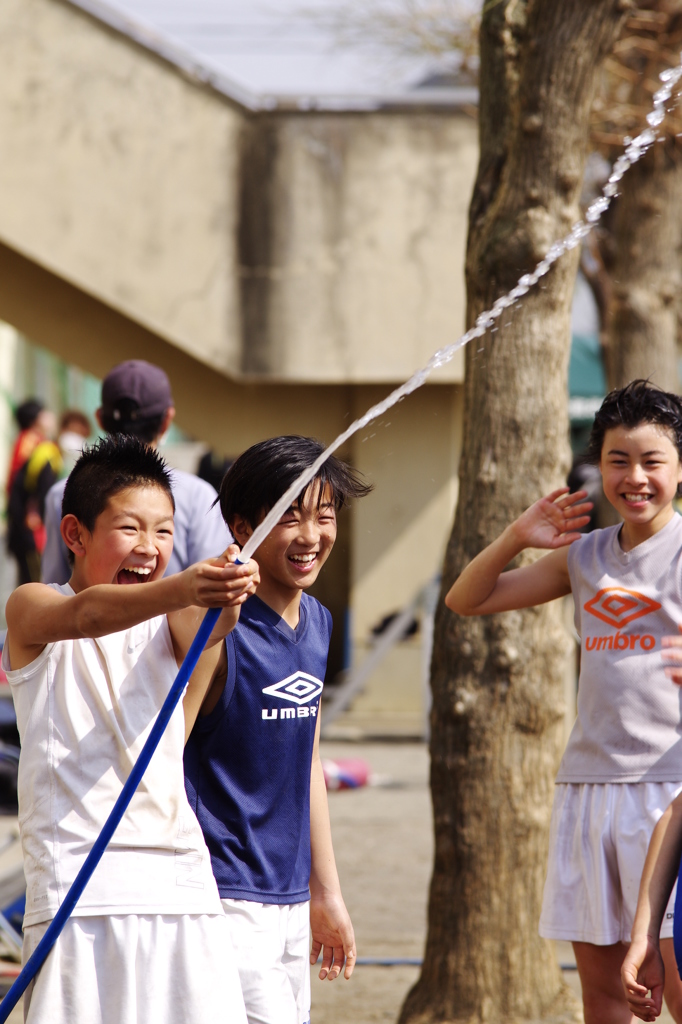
[(330, 922), (642, 971), (483, 588), (184, 624), (38, 615)]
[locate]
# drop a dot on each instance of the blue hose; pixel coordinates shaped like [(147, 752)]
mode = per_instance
[(39, 955)]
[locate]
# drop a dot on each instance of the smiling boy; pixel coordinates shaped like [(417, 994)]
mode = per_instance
[(90, 663), (252, 765), (621, 767)]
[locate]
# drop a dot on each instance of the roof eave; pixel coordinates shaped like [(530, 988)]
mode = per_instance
[(204, 73)]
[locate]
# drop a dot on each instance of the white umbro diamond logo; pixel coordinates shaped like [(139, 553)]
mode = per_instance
[(299, 688)]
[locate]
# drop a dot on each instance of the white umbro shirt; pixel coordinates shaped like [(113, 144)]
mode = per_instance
[(84, 710), (629, 725)]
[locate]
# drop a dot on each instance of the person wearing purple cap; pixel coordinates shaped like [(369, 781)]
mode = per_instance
[(137, 399)]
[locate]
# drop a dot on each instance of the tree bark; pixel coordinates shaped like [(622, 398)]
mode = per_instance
[(497, 719), (647, 272)]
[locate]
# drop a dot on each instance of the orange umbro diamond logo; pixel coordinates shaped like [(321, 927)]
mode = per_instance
[(618, 606)]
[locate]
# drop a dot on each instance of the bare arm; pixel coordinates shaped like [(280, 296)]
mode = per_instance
[(38, 615), (483, 588), (330, 922), (642, 969), (211, 670)]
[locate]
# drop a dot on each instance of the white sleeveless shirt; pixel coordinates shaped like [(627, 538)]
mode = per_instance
[(629, 725), (84, 710)]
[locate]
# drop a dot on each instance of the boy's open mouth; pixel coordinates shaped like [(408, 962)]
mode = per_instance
[(637, 499), (303, 562), (133, 575)]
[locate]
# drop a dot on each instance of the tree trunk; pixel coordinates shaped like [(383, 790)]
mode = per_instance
[(497, 719), (643, 322)]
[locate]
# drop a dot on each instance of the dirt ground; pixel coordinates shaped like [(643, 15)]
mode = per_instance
[(383, 843)]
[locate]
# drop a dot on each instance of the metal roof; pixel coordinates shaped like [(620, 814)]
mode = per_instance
[(265, 54)]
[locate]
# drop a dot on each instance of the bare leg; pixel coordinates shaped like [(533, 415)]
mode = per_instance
[(599, 969), (673, 986)]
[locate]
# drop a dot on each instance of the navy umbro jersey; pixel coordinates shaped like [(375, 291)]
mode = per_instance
[(247, 763)]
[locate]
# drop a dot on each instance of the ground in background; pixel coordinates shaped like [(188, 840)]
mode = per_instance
[(384, 847), (383, 842)]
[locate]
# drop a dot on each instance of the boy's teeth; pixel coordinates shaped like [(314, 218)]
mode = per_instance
[(303, 559), (139, 570), (636, 497)]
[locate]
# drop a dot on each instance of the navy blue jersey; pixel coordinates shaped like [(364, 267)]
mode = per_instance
[(247, 763)]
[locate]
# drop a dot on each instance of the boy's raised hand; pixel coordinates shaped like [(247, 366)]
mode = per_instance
[(333, 936), (553, 521), (643, 972)]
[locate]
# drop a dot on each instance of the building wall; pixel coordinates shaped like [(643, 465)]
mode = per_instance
[(120, 175), (400, 531), (352, 243), (303, 247)]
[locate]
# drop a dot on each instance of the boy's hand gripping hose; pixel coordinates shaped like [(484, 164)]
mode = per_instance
[(55, 927)]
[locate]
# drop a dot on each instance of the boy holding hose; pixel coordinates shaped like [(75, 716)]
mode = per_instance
[(90, 663)]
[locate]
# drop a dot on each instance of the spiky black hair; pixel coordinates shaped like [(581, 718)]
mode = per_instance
[(638, 402), (107, 467), (260, 476)]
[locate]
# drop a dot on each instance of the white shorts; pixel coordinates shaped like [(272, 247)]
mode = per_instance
[(598, 839), (129, 969), (272, 944)]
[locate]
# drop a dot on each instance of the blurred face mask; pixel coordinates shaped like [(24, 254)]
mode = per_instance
[(70, 441)]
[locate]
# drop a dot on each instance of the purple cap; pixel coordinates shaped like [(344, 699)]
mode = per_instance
[(136, 381)]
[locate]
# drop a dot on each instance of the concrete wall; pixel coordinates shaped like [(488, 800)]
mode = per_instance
[(316, 247), (400, 530), (352, 243), (119, 175)]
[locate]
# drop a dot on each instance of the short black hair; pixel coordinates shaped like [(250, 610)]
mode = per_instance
[(259, 477), (639, 402), (107, 467), (28, 412), (129, 422)]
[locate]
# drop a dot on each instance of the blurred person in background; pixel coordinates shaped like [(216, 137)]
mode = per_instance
[(74, 430), (36, 424), (137, 399), (36, 463)]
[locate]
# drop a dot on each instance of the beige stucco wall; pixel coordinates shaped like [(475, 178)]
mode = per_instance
[(120, 175), (400, 531), (357, 244), (292, 246)]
